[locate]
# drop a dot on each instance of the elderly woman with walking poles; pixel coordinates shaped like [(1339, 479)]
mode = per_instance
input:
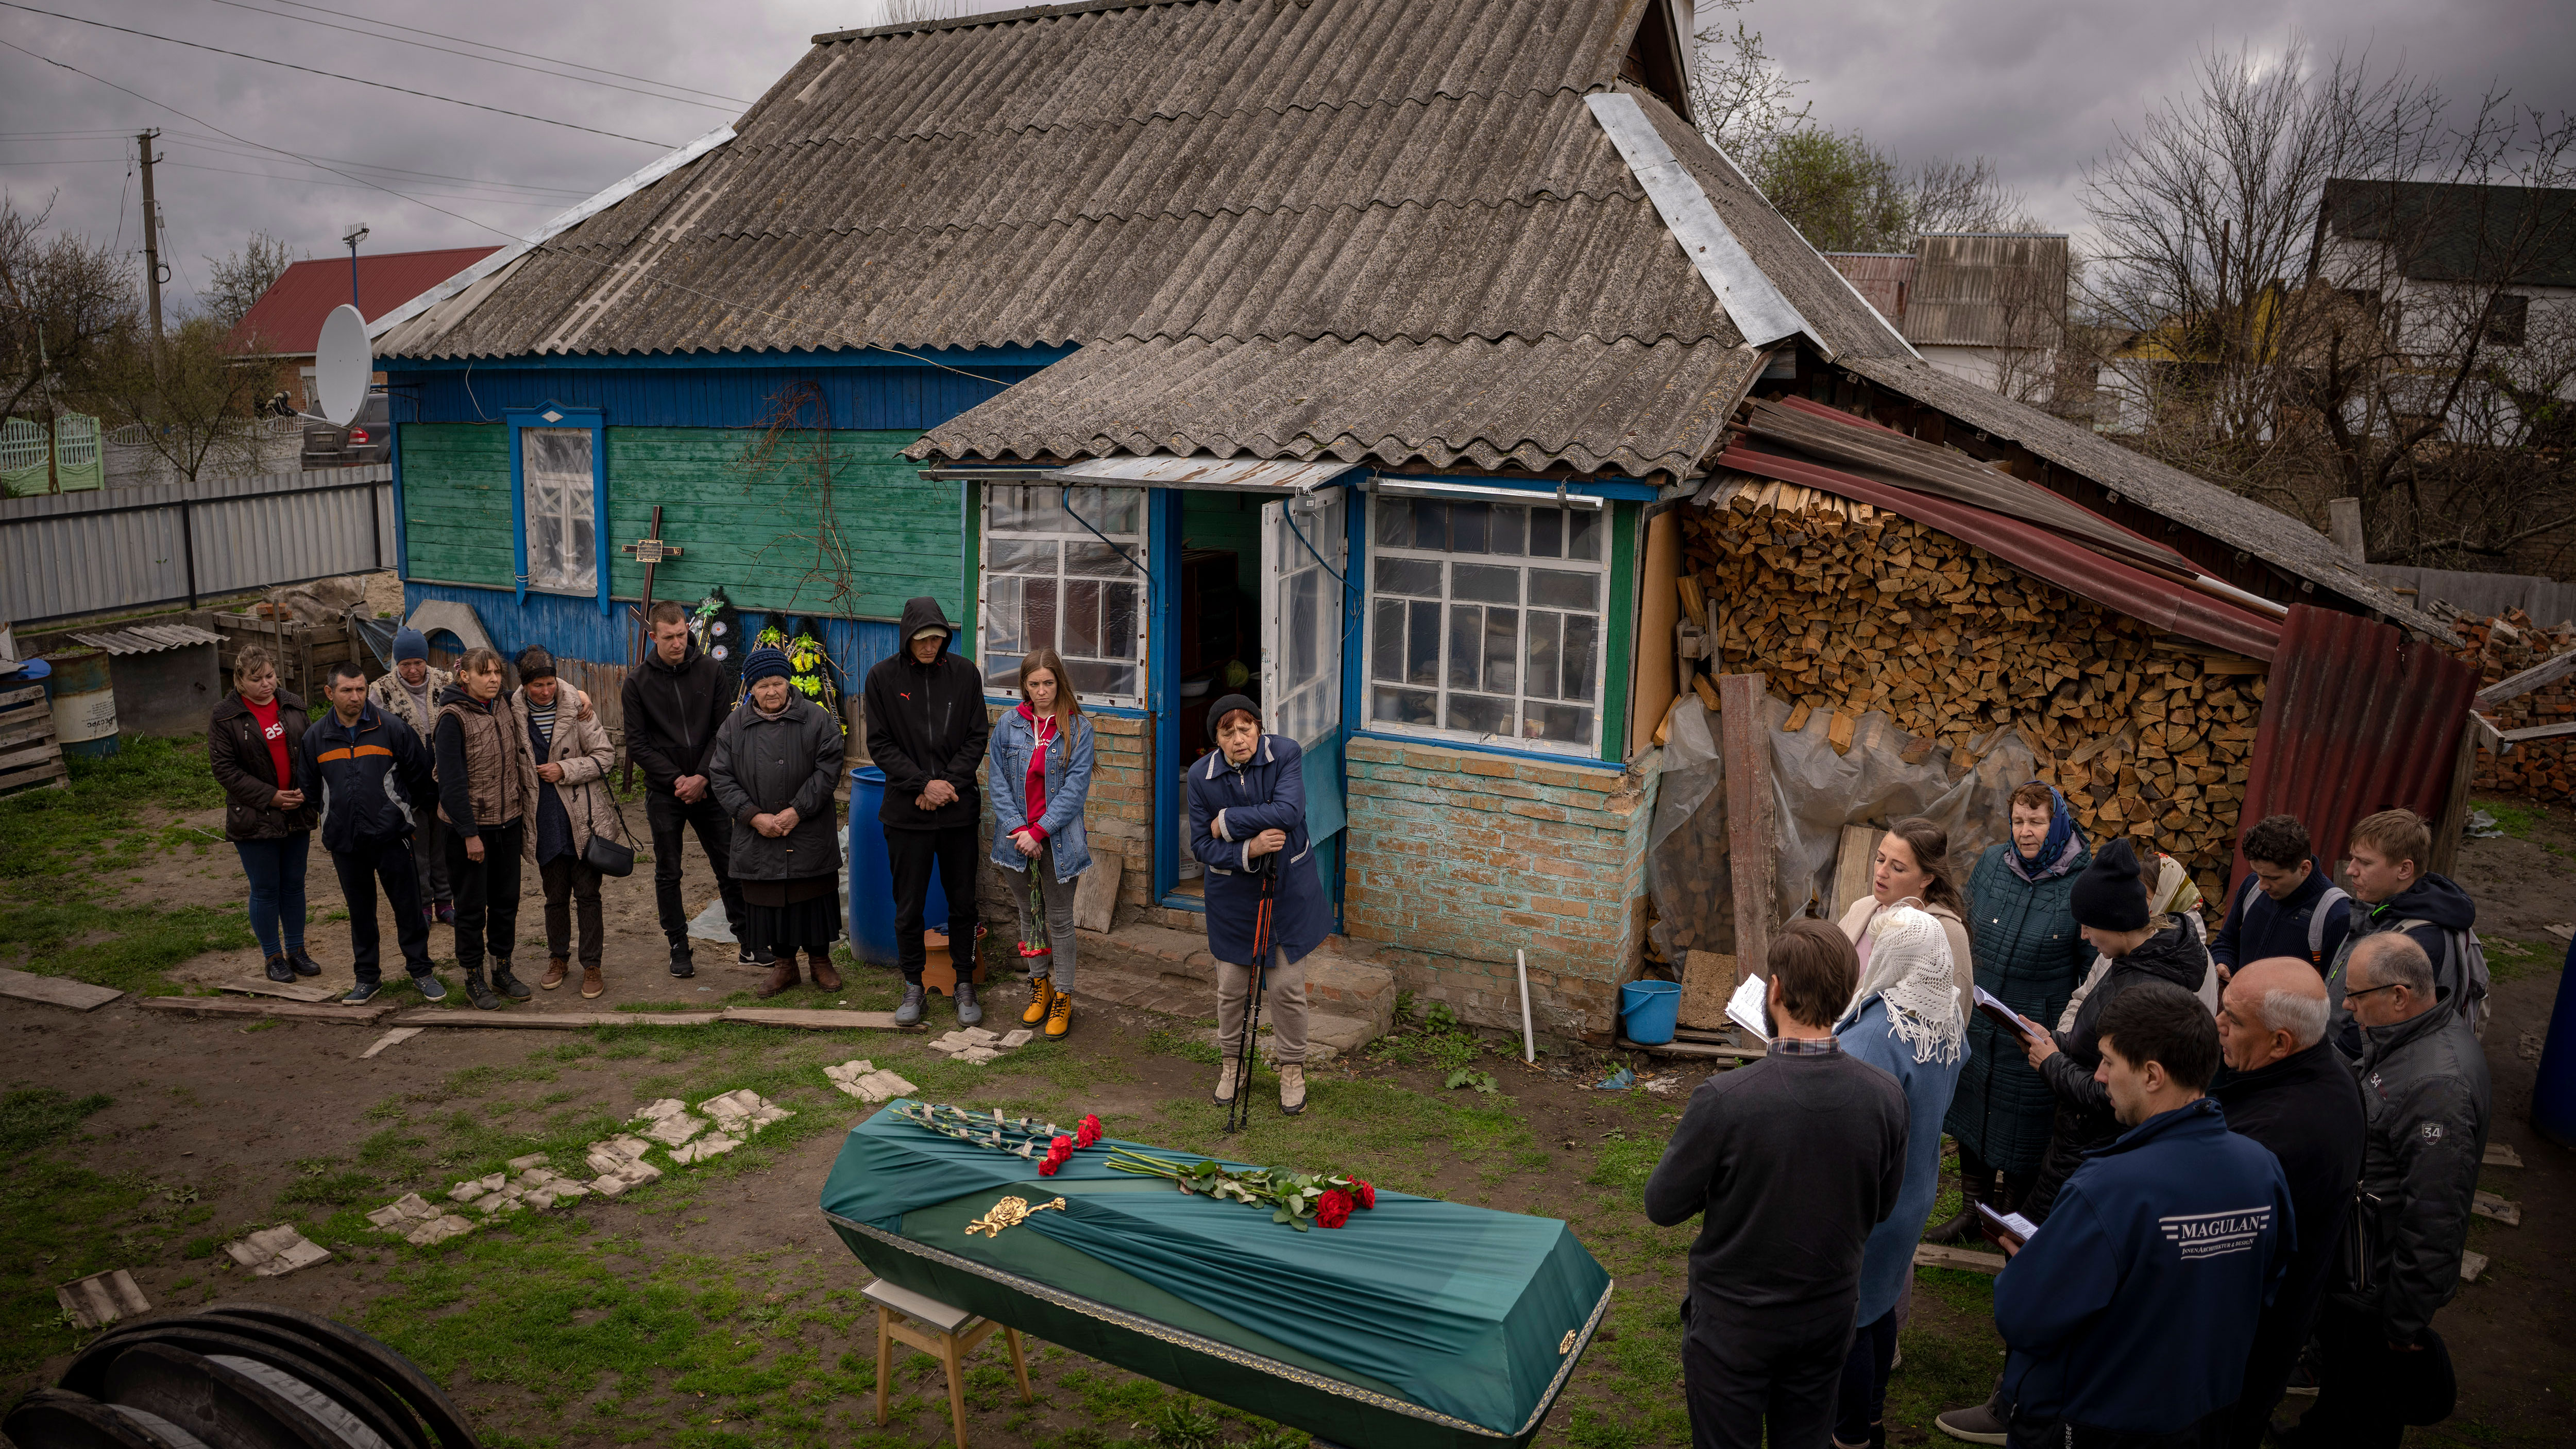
[(487, 792), (1265, 902), (254, 745), (773, 768), (1041, 776)]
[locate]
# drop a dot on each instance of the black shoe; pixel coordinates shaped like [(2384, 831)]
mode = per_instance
[(682, 963), (480, 993), (304, 965), (746, 956), (360, 994), (507, 984), (280, 969), (969, 1010), (914, 1003)]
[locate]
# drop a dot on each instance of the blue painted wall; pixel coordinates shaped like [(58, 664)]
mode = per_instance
[(571, 627), (862, 390)]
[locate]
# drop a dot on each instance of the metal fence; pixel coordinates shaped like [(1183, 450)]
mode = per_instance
[(121, 548), (2547, 601)]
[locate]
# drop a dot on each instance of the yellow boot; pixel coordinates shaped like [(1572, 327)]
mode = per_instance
[(1042, 996), (1059, 1016)]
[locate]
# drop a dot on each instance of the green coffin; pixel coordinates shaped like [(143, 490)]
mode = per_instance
[(1420, 1323)]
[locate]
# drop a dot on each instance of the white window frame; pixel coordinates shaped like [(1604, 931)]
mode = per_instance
[(1364, 710), (579, 507), (1136, 546)]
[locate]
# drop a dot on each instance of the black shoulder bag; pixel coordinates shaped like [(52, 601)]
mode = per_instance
[(604, 855)]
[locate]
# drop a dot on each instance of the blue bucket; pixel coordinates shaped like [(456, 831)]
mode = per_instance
[(872, 934), (1651, 1009)]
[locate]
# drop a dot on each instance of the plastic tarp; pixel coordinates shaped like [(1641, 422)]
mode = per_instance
[(1815, 793), (1459, 1309)]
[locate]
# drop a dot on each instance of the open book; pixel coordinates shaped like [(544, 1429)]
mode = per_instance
[(2005, 1225), (1744, 1008), (2001, 1015)]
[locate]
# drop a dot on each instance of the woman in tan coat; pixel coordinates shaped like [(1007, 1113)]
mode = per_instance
[(1911, 867), (570, 755), (487, 791)]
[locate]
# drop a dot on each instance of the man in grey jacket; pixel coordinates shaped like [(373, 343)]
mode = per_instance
[(2425, 1099)]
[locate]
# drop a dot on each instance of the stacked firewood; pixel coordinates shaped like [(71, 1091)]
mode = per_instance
[(2507, 644), (1851, 609)]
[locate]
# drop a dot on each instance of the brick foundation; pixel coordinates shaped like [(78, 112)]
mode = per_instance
[(1118, 818)]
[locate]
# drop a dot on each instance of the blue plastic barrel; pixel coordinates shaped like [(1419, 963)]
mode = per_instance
[(2553, 1092), (872, 878), (1651, 1009)]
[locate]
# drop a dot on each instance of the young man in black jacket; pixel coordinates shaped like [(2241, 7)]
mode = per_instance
[(2285, 902), (373, 775), (675, 702), (2287, 1088), (1790, 1161), (926, 730)]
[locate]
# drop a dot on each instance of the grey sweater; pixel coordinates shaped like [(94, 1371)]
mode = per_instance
[(1790, 1160)]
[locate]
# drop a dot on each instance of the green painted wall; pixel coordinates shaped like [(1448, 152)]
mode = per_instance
[(736, 528), (1211, 519)]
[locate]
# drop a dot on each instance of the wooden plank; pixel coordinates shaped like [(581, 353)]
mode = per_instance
[(287, 990), (1095, 892), (56, 990), (1691, 1049), (278, 1010), (1938, 1255), (42, 728), (2501, 1154), (2489, 1205), (553, 1020), (394, 1037), (1752, 840), (815, 1020), (26, 755), (2515, 686), (1855, 862), (2539, 732), (9, 697)]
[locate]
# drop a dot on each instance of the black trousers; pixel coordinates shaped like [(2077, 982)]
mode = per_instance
[(429, 859), (571, 883), (487, 894), (391, 862), (910, 854), (2028, 1433), (1862, 1400), (668, 815), (2355, 1408), (1746, 1370)]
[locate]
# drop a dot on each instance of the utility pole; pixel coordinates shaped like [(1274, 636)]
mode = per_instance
[(151, 241)]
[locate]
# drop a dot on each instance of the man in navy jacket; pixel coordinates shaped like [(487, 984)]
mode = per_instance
[(374, 779), (2129, 1314), (2287, 900)]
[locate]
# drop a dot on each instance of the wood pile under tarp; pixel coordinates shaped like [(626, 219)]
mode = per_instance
[(1849, 609)]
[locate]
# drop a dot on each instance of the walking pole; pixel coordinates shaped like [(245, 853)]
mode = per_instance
[(1238, 1113)]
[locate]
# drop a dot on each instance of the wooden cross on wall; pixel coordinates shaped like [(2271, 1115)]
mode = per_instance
[(648, 552)]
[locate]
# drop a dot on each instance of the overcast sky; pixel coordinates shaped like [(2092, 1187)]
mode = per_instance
[(2040, 85)]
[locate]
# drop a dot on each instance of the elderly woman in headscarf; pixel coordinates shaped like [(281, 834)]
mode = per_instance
[(2029, 955), (775, 763), (1907, 1020)]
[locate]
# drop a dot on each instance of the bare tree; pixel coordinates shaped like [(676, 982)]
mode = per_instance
[(196, 405), (2318, 282), (61, 299), (1965, 195), (238, 280), (1741, 99)]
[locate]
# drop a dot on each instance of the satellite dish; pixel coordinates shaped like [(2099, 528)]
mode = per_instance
[(343, 366)]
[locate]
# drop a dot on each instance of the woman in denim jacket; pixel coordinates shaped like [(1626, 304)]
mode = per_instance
[(1041, 774)]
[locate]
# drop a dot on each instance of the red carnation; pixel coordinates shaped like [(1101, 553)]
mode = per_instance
[(1333, 1209), (1088, 1132), (1362, 1193), (1059, 1152)]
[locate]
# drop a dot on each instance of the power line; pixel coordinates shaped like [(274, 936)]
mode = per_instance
[(469, 55), (600, 263), (333, 75), (363, 185), (211, 148), (549, 59)]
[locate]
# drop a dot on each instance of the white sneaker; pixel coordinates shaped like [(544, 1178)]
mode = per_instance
[(1225, 1080), (1292, 1089)]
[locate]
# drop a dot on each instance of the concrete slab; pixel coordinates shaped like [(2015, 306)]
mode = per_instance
[(56, 991), (101, 1298)]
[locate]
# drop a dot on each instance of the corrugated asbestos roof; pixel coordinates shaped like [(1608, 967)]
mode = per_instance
[(1882, 279), (2266, 533), (1987, 289)]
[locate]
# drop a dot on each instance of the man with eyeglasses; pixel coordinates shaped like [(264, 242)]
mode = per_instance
[(2425, 1103)]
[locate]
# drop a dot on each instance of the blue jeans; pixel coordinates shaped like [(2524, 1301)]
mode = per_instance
[(276, 871)]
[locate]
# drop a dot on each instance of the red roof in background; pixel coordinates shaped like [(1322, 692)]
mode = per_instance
[(287, 318)]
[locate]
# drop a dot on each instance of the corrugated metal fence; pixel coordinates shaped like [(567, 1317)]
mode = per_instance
[(2547, 601), (120, 548)]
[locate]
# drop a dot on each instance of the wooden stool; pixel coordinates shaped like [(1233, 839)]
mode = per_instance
[(951, 1333)]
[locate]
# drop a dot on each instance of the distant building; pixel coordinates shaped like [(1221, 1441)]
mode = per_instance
[(2426, 257), (1985, 307), (286, 322)]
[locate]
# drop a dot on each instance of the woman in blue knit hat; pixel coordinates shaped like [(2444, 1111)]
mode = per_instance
[(775, 764)]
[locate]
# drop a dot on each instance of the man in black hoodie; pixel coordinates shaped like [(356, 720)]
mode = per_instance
[(2394, 891), (926, 731), (2287, 1088), (375, 781), (2287, 904), (675, 702)]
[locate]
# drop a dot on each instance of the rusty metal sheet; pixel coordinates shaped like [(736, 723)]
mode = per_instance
[(2357, 718)]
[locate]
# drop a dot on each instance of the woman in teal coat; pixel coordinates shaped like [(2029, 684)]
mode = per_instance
[(2030, 954)]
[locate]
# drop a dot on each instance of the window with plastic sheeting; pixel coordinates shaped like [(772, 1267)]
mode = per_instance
[(1065, 568), (1486, 621), (561, 512)]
